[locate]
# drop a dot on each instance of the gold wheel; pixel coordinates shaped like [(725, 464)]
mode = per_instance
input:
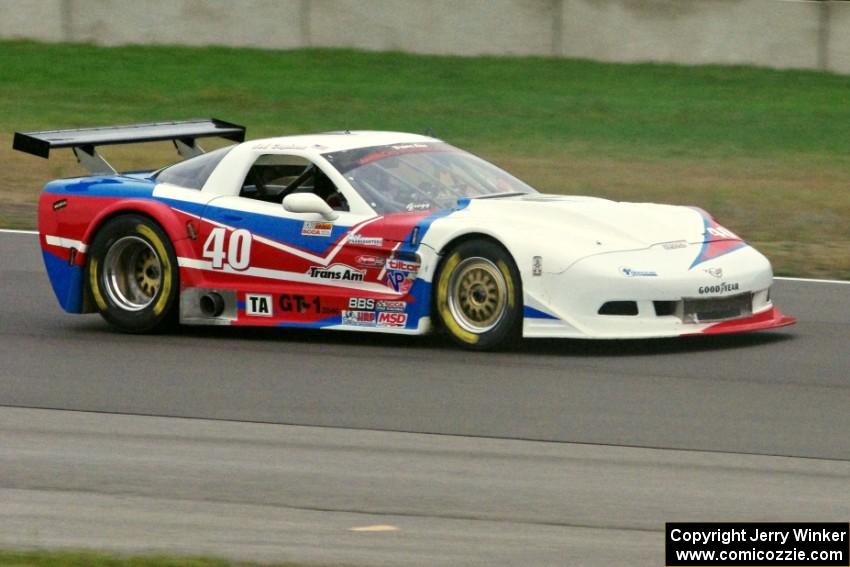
[(132, 273), (477, 295)]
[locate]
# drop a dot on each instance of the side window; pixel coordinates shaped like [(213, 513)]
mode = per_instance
[(193, 172), (274, 176)]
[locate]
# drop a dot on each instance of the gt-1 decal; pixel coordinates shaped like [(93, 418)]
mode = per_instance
[(258, 305), (236, 254), (316, 228), (299, 303)]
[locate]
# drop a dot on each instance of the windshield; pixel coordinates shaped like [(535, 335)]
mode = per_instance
[(421, 176)]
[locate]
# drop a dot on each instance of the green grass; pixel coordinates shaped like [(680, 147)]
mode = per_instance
[(520, 104), (767, 151), (88, 559)]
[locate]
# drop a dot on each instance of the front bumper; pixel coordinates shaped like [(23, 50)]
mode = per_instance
[(653, 293)]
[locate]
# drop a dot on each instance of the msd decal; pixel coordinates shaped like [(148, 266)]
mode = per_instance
[(717, 240), (392, 319)]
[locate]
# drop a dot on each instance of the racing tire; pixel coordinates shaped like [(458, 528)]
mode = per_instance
[(478, 296), (132, 275)]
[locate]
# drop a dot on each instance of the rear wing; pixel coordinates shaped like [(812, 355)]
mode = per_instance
[(83, 141)]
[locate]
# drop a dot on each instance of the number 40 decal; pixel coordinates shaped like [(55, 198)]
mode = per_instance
[(238, 253)]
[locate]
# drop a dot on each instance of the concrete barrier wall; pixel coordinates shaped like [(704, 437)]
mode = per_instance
[(806, 34), (762, 32)]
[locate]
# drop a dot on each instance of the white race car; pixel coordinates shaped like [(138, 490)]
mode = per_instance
[(379, 231)]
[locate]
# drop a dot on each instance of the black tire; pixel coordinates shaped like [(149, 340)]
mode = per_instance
[(478, 296), (132, 276)]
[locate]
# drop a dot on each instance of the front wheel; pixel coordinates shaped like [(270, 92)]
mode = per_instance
[(478, 296), (132, 275)]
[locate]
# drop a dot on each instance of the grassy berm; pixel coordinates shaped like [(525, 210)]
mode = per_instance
[(767, 152)]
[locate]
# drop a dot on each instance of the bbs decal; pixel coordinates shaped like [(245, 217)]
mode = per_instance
[(362, 303)]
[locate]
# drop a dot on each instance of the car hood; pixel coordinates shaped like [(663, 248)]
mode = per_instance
[(617, 225), (570, 228)]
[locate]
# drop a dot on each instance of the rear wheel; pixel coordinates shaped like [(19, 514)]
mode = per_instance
[(478, 296), (133, 276)]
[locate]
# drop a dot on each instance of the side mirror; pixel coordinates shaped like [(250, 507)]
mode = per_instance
[(308, 203)]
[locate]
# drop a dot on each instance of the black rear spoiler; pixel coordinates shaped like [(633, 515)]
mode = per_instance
[(83, 141)]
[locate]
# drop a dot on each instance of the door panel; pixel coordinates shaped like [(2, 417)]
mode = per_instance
[(288, 268)]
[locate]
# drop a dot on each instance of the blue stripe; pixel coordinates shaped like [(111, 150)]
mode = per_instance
[(532, 313), (114, 186), (335, 320)]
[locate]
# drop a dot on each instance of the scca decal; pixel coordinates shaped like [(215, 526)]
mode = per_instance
[(390, 305), (316, 228)]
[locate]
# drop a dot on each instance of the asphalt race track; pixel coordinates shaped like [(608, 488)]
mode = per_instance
[(274, 444)]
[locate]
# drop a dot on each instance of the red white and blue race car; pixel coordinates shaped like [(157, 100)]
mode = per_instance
[(378, 231)]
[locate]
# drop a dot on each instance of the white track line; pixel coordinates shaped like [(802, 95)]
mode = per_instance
[(787, 279), (811, 280)]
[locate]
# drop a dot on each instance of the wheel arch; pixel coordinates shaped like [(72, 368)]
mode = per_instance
[(459, 239), (158, 213), (456, 241)]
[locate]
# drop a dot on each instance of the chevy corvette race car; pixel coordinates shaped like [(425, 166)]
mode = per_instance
[(378, 231)]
